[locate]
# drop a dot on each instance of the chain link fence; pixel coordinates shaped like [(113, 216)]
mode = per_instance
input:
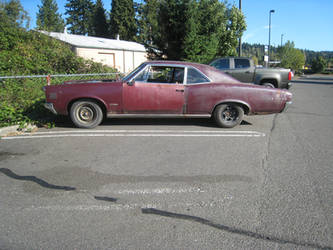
[(22, 97), (41, 80)]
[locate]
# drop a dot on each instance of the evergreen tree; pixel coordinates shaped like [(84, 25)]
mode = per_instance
[(172, 25), (148, 26), (13, 14), (195, 30), (205, 24), (80, 16), (48, 17), (122, 20), (99, 22)]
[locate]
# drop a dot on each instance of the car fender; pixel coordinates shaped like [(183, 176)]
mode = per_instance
[(260, 77), (97, 99), (245, 105)]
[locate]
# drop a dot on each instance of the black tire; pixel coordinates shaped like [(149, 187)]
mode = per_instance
[(268, 85), (228, 115), (86, 114)]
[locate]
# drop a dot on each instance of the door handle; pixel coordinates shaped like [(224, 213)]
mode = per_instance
[(179, 90)]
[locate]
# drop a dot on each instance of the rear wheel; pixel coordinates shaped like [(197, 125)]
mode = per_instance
[(228, 115), (268, 85), (86, 114)]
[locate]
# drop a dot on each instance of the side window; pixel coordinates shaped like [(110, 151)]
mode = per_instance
[(221, 64), (194, 76), (242, 63), (142, 77), (162, 74)]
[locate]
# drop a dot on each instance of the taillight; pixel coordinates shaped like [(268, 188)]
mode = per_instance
[(290, 75)]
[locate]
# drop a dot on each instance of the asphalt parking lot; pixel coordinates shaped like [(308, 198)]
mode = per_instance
[(175, 184)]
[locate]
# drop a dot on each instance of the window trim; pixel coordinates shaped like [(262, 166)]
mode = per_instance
[(174, 66), (201, 73)]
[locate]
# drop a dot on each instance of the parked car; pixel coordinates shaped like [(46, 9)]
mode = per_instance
[(244, 70), (165, 89)]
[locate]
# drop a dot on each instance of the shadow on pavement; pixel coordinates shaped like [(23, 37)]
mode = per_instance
[(232, 229), (40, 182), (64, 122)]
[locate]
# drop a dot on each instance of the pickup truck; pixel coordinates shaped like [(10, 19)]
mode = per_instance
[(244, 70)]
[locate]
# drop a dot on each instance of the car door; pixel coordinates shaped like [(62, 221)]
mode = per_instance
[(156, 89), (242, 71)]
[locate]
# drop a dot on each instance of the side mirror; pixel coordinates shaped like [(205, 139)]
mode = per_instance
[(131, 83)]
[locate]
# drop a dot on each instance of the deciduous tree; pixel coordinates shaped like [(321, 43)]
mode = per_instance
[(290, 57), (318, 65)]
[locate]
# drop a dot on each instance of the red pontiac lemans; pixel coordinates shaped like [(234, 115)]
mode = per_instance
[(165, 89)]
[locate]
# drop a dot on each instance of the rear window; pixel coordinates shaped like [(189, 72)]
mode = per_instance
[(194, 76)]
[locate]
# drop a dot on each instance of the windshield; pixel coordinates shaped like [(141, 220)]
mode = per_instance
[(132, 73)]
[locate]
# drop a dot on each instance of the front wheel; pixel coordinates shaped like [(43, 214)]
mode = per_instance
[(86, 114), (228, 115)]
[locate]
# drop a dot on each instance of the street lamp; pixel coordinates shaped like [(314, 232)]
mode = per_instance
[(240, 38), (269, 36)]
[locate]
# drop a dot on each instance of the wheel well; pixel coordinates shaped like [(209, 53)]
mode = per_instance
[(99, 103), (272, 81), (242, 105)]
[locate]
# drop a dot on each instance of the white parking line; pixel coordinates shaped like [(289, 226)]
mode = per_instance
[(140, 131), (136, 133), (160, 191)]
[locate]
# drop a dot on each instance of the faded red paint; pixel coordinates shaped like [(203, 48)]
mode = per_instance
[(153, 98)]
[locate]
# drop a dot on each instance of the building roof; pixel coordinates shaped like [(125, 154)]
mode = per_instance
[(96, 42)]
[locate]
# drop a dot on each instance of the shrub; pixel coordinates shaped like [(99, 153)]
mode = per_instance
[(29, 53)]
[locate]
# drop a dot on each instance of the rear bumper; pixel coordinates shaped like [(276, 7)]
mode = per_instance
[(50, 107), (286, 106), (286, 85)]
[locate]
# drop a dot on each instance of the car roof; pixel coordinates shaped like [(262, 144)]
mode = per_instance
[(214, 74)]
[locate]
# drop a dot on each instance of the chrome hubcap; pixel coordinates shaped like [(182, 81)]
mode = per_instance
[(85, 114)]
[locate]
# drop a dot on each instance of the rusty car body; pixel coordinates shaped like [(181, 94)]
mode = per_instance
[(165, 89)]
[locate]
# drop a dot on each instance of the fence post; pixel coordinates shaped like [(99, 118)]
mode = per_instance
[(48, 79)]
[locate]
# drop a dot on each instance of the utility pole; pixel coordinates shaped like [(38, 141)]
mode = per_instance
[(269, 36), (281, 39), (240, 39)]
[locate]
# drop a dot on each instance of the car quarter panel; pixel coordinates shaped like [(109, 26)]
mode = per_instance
[(203, 98)]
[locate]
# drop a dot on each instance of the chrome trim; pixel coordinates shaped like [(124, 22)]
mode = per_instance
[(286, 106), (233, 101), (149, 64), (49, 106), (210, 80), (113, 115)]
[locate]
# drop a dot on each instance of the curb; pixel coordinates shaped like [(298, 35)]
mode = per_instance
[(15, 130)]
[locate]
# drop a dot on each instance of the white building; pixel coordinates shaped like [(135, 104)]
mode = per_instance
[(122, 55)]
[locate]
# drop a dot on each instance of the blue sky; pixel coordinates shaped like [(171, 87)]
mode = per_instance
[(309, 23)]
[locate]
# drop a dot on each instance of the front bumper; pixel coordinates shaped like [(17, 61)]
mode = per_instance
[(50, 107)]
